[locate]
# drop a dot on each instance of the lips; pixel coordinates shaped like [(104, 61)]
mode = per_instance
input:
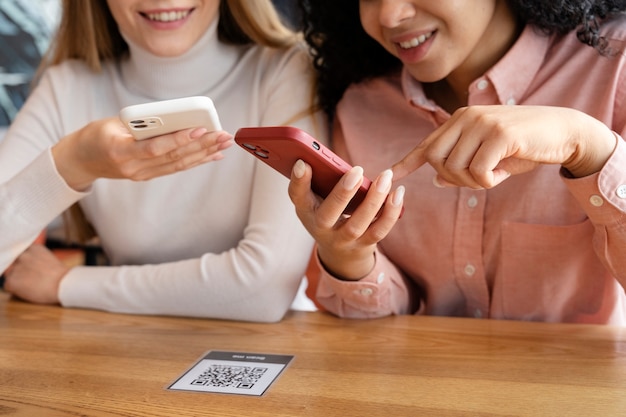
[(412, 47), (167, 16), (416, 41)]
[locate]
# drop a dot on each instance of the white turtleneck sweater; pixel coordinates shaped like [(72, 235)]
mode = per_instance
[(221, 240)]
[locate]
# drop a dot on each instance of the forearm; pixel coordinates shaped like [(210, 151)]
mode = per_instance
[(31, 200), (255, 278), (595, 144), (66, 155), (347, 267), (209, 287)]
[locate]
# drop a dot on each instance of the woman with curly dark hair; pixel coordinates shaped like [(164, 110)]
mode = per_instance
[(509, 116)]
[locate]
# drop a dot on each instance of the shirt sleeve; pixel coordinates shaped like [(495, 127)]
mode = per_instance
[(603, 197), (382, 292), (32, 191)]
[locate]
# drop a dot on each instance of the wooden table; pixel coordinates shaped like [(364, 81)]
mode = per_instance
[(67, 362)]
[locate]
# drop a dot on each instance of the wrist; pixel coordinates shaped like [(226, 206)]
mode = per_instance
[(68, 164), (591, 155), (347, 268)]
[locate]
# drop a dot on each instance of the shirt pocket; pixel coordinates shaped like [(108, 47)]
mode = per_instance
[(548, 273)]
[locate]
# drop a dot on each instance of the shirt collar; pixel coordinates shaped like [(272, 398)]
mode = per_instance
[(511, 76), (514, 73)]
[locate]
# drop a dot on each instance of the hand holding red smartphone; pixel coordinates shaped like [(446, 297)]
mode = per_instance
[(281, 146)]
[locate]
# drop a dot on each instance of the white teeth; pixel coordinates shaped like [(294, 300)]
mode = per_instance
[(168, 16), (412, 43)]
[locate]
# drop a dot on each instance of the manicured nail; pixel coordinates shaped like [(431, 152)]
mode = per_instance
[(224, 138), (436, 182), (352, 179), (383, 184), (398, 196), (196, 133), (298, 168)]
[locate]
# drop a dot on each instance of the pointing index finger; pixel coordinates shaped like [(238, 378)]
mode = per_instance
[(411, 162)]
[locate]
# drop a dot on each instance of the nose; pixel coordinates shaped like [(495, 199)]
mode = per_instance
[(394, 12)]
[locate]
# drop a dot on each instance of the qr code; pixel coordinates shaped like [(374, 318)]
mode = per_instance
[(223, 376)]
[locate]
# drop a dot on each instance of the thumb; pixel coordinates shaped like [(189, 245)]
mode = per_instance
[(300, 182)]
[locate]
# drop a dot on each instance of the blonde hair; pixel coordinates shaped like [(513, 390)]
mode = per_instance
[(88, 32)]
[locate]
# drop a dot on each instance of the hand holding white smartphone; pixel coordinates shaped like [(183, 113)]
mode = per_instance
[(161, 117)]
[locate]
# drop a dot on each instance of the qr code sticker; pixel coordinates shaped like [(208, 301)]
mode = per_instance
[(242, 377), (232, 373)]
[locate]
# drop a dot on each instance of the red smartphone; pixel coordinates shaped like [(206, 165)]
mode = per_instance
[(281, 146)]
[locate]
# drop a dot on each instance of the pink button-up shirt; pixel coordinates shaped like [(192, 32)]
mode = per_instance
[(539, 246)]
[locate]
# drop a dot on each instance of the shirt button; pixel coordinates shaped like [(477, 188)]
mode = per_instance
[(482, 84), (621, 191), (472, 202), (511, 102), (367, 291), (469, 270), (596, 200), (380, 278), (478, 313)]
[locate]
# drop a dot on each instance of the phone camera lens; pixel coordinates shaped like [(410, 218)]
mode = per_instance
[(261, 154), (249, 146), (316, 146)]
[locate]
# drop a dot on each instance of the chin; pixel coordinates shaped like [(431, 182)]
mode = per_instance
[(169, 51), (170, 46), (424, 76)]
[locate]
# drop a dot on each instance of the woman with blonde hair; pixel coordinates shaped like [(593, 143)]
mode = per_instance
[(191, 226)]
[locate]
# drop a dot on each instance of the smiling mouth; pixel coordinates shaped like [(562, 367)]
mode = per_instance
[(417, 41), (168, 16)]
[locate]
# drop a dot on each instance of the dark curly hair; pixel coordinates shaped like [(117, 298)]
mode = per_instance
[(344, 54)]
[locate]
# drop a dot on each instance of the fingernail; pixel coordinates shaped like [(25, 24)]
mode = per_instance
[(196, 133), (298, 168), (437, 183), (383, 184), (398, 196), (224, 138), (352, 179)]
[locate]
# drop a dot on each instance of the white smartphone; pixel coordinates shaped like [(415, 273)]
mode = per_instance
[(161, 117)]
